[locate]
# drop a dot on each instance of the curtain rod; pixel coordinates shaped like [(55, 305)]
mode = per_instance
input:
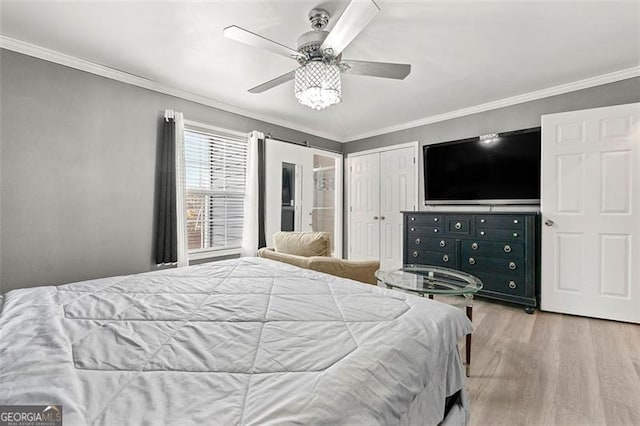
[(304, 143)]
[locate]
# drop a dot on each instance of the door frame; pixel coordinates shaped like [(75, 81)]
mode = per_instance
[(347, 180)]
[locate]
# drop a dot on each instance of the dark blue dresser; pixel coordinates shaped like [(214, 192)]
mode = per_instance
[(502, 249)]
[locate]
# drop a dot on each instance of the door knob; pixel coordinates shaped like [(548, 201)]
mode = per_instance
[(549, 222), (375, 218), (381, 217)]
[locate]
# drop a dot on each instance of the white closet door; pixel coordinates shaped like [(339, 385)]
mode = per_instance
[(590, 206), (364, 194), (397, 193)]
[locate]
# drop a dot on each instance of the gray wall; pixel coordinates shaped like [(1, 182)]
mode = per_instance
[(515, 117), (77, 171), (78, 156)]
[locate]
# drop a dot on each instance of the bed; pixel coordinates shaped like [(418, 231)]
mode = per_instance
[(243, 341)]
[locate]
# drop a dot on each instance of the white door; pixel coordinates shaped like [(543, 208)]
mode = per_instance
[(381, 185), (397, 194), (364, 196), (277, 153), (590, 206)]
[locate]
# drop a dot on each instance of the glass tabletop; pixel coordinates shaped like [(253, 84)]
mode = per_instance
[(426, 279)]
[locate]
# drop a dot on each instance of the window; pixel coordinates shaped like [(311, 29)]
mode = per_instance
[(215, 168)]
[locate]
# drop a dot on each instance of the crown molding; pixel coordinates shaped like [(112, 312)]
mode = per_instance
[(134, 80), (121, 76), (505, 102)]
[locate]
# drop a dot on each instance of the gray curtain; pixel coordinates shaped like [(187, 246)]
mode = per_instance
[(262, 241), (166, 219)]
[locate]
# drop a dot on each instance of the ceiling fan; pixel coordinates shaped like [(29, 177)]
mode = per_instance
[(319, 55)]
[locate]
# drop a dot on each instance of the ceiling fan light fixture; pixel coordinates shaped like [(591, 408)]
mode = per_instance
[(318, 85)]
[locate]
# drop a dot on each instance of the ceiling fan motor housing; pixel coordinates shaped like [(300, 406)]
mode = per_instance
[(309, 45)]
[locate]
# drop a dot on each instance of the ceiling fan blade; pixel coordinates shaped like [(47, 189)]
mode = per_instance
[(273, 83), (377, 69), (247, 37), (354, 19)]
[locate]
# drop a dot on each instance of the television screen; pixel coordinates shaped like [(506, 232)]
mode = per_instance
[(492, 169)]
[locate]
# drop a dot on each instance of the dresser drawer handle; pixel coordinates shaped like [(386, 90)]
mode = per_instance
[(512, 284), (515, 234), (445, 258), (482, 220), (413, 229), (443, 243), (474, 246), (472, 261), (516, 222), (481, 232), (418, 241), (435, 230), (507, 248), (458, 225), (435, 219), (412, 218), (512, 265), (415, 254)]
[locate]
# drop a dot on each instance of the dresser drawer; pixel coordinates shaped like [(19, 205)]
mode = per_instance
[(458, 225), (508, 267), (424, 219), (423, 230), (509, 235), (502, 284), (428, 257), (508, 250), (421, 242), (500, 221)]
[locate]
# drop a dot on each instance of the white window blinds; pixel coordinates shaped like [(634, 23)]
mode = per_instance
[(215, 170)]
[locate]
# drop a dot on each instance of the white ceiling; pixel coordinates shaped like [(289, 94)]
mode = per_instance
[(463, 54)]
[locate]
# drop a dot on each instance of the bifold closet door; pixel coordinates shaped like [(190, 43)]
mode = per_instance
[(364, 196), (397, 194), (590, 212), (381, 186)]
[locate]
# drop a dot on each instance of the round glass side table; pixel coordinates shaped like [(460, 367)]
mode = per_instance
[(433, 280)]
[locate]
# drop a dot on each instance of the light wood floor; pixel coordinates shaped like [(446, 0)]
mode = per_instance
[(552, 369)]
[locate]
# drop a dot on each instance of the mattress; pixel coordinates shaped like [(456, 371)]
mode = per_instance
[(244, 341)]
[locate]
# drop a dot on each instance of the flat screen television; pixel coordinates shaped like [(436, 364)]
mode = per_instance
[(493, 169)]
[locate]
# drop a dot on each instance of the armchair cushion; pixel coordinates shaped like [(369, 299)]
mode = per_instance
[(292, 259), (302, 243), (357, 270)]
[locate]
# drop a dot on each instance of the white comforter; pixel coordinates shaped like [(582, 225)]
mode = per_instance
[(247, 341)]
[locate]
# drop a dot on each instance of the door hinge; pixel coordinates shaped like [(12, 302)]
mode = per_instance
[(350, 169), (414, 160), (350, 208)]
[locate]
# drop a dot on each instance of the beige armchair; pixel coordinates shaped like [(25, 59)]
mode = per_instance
[(312, 250)]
